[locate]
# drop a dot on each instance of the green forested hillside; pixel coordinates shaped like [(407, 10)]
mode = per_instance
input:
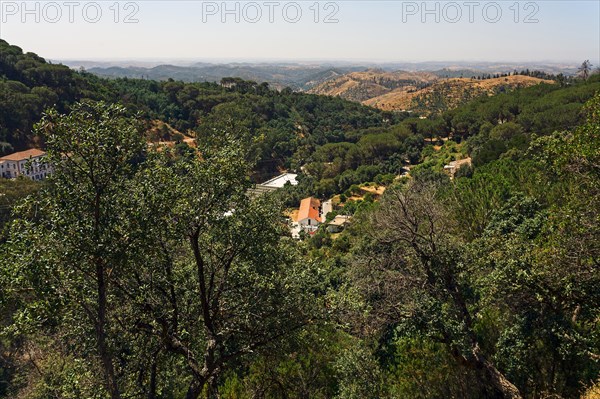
[(487, 129), (494, 271), (283, 123)]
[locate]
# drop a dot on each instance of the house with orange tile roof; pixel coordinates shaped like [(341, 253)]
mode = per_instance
[(309, 214), (27, 163)]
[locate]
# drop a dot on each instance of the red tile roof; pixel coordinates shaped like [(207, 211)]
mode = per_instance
[(309, 209), (23, 155)]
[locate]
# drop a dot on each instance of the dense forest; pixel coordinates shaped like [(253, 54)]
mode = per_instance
[(290, 124), (141, 271)]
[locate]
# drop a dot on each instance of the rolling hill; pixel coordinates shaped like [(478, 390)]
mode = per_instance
[(425, 92), (365, 85), (447, 94)]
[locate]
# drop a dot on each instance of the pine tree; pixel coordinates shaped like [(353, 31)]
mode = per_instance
[(584, 70)]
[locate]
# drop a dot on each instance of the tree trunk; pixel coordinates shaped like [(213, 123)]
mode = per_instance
[(194, 390), (100, 323), (103, 350), (207, 377), (153, 376), (496, 378)]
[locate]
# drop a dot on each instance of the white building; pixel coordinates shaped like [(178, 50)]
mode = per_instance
[(273, 184), (309, 214), (326, 207), (27, 163), (281, 180)]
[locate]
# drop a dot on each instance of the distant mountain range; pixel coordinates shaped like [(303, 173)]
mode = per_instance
[(309, 76), (424, 87), (297, 77)]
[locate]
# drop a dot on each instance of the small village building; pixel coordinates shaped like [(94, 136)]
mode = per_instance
[(309, 216), (338, 223), (326, 207), (29, 163), (273, 184), (454, 166), (281, 180)]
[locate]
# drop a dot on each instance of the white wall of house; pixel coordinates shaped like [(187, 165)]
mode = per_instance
[(326, 207), (33, 168), (308, 224)]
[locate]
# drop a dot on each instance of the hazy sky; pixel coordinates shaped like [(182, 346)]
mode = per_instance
[(365, 30)]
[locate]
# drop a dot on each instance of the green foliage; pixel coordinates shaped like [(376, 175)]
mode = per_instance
[(306, 370), (11, 192), (423, 369), (501, 263), (536, 295), (515, 116), (359, 375), (110, 246), (28, 85)]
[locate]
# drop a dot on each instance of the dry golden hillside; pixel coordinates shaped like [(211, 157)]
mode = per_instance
[(161, 133), (448, 93), (361, 86)]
